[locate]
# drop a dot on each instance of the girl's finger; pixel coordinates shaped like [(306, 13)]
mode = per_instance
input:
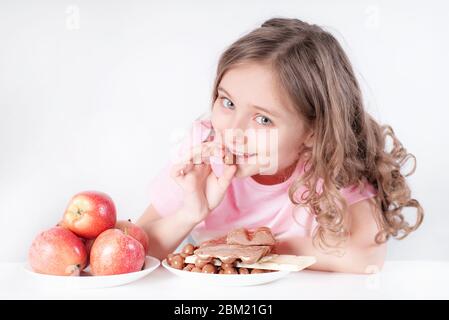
[(202, 169), (186, 169), (228, 173), (181, 169)]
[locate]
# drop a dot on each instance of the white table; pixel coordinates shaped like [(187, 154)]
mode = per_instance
[(397, 280)]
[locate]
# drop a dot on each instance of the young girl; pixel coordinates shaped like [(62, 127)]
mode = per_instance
[(334, 191)]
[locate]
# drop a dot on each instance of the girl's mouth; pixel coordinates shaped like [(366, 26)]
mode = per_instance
[(241, 155)]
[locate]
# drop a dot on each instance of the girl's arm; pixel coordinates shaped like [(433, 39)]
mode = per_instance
[(165, 234), (363, 254), (202, 192)]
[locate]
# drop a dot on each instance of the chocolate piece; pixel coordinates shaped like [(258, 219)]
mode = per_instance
[(260, 236), (221, 240), (229, 158), (228, 253)]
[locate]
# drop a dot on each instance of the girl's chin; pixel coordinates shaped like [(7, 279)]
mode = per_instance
[(246, 170)]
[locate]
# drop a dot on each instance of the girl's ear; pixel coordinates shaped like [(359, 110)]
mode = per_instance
[(308, 142)]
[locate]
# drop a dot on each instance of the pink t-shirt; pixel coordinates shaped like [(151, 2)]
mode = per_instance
[(246, 203)]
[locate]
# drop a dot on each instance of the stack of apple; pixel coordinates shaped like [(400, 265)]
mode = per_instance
[(89, 233)]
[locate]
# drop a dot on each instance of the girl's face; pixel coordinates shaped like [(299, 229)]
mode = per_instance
[(255, 121)]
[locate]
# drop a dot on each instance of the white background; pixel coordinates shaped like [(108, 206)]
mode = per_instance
[(93, 92)]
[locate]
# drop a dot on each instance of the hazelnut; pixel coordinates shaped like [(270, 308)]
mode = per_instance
[(177, 262), (243, 271), (230, 271), (200, 263), (227, 265), (188, 249), (209, 268), (170, 258)]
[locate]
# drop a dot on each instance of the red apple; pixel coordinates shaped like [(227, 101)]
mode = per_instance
[(134, 231), (114, 252), (89, 213), (88, 245), (57, 251)]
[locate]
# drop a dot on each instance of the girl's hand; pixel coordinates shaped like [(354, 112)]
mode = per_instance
[(203, 190)]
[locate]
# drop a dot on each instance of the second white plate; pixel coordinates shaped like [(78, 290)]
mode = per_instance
[(233, 280)]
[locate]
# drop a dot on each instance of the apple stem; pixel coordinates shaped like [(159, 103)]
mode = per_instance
[(129, 220)]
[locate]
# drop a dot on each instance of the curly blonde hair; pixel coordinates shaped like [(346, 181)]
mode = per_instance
[(349, 145)]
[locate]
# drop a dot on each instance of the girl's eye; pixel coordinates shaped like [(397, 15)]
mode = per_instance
[(229, 105), (226, 103), (263, 120)]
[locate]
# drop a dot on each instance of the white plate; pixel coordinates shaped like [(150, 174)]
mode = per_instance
[(86, 281), (233, 280)]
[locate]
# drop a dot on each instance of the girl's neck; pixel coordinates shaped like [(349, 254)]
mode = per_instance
[(277, 178)]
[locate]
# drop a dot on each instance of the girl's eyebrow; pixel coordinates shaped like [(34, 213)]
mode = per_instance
[(274, 114)]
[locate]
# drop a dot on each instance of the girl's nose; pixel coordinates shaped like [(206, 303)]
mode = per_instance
[(239, 126), (239, 137)]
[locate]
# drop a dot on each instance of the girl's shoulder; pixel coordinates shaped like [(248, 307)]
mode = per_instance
[(358, 192)]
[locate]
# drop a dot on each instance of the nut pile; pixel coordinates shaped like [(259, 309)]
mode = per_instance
[(177, 261)]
